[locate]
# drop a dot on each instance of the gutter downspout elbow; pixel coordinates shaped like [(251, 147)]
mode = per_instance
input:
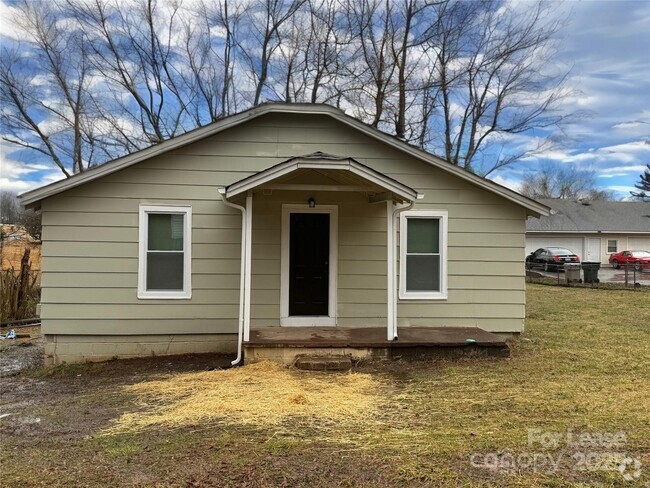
[(240, 335)]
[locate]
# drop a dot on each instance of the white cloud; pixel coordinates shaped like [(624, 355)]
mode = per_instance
[(507, 182), (628, 153), (21, 185), (622, 170), (621, 188), (9, 29), (18, 177), (633, 124)]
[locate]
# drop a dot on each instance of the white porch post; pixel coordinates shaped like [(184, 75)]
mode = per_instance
[(390, 271), (247, 279)]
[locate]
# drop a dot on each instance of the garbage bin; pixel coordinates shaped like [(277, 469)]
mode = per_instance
[(591, 272), (572, 272)]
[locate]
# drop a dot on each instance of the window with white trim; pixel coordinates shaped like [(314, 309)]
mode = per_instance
[(423, 255), (612, 246), (164, 252)]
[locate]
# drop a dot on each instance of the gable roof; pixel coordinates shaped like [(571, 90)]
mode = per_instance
[(323, 161), (32, 197), (593, 216)]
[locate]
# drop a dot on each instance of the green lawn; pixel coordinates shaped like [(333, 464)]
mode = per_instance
[(582, 367)]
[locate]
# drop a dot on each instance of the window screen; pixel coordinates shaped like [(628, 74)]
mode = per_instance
[(165, 249), (423, 254), (164, 266)]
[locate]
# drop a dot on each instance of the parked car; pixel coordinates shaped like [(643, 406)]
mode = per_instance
[(551, 258), (640, 259)]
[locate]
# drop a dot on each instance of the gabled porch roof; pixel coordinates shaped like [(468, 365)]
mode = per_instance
[(345, 173)]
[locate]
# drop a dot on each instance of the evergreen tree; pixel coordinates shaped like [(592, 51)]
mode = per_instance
[(643, 185)]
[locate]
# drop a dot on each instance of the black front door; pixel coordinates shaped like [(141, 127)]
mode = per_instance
[(309, 252)]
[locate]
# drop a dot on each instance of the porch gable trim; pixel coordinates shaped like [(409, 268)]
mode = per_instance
[(268, 175)]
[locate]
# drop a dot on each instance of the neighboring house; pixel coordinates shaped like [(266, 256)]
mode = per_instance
[(286, 215), (591, 229)]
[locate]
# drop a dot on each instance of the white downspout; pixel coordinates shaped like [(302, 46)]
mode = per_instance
[(242, 276), (390, 258), (394, 263), (249, 266)]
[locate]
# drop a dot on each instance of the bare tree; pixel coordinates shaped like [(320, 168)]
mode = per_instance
[(94, 80), (562, 180), (134, 51), (210, 64), (323, 51), (292, 58), (12, 212), (371, 65), (491, 66), (51, 87), (265, 37), (410, 32), (10, 208)]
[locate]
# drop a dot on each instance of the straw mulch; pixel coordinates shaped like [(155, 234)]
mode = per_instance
[(262, 394)]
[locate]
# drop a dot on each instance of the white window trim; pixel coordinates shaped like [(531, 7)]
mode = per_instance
[(308, 321), (442, 215), (607, 246), (145, 294)]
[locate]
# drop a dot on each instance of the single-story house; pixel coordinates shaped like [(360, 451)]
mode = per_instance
[(283, 218), (591, 229)]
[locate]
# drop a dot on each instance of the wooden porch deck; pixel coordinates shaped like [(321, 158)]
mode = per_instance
[(285, 343)]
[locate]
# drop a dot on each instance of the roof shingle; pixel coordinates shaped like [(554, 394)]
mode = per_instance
[(592, 216)]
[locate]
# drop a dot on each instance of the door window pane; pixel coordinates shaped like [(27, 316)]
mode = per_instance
[(423, 236)]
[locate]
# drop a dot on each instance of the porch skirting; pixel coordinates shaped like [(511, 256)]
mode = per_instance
[(285, 345), (60, 348)]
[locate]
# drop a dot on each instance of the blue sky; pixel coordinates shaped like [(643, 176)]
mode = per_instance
[(607, 47)]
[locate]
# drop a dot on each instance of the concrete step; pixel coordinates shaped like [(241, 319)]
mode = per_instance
[(324, 363)]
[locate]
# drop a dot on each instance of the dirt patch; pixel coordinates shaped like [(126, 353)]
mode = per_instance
[(22, 353)]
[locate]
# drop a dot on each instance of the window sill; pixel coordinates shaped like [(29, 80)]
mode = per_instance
[(423, 296), (164, 296)]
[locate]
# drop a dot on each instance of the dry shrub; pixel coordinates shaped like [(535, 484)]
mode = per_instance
[(261, 394), (10, 306)]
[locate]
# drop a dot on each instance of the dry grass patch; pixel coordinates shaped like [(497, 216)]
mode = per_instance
[(264, 394)]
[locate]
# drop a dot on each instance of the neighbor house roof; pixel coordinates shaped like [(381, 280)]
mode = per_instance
[(32, 197), (593, 216)]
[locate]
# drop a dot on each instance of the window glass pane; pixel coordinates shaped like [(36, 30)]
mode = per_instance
[(166, 232), (422, 236), (165, 270), (423, 273), (611, 246)]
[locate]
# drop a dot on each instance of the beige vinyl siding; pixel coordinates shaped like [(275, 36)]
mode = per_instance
[(90, 239)]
